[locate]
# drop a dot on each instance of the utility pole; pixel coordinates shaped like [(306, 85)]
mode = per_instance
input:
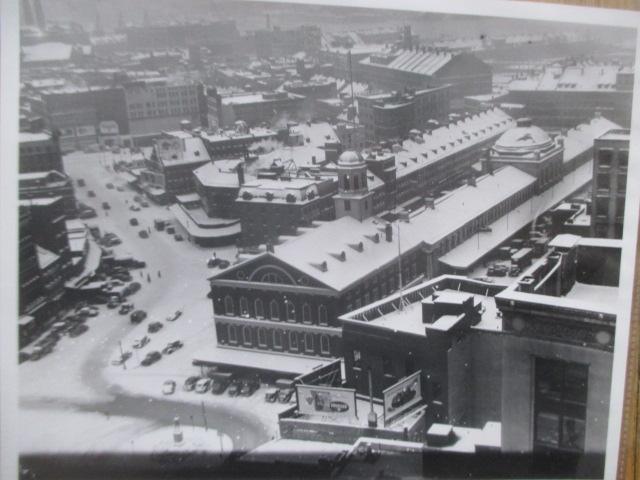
[(204, 417), (372, 418)]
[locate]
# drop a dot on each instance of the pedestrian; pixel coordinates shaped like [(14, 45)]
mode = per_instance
[(159, 275), (148, 278), (141, 274)]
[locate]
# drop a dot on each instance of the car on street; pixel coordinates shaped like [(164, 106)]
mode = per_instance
[(87, 213), (190, 383), (123, 276), (285, 390), (132, 288), (39, 352), (220, 381), (113, 302), (151, 358), (78, 330), (175, 316), (141, 342), (81, 182), (497, 270), (271, 395), (138, 316), (144, 204), (168, 387), (154, 327), (202, 385), (89, 311), (213, 262), (120, 188), (483, 279), (143, 234), (170, 230), (159, 224), (249, 386), (109, 186), (133, 222), (514, 271), (106, 206), (172, 347), (134, 208), (125, 308), (91, 193), (178, 237), (234, 388)]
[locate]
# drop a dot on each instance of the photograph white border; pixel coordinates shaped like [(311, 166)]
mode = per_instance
[(9, 94)]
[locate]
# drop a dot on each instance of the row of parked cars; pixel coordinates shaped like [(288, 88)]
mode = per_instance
[(219, 382)]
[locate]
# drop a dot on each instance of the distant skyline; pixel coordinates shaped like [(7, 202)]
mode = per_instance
[(252, 15)]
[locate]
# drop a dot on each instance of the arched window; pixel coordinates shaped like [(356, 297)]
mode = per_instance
[(356, 183), (322, 315), (293, 341), (246, 336), (262, 337), (290, 310), (259, 308), (308, 343), (274, 310), (277, 339), (244, 307), (306, 314), (325, 347), (232, 334), (228, 305)]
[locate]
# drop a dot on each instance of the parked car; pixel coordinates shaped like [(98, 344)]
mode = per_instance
[(285, 390), (132, 288), (106, 206), (123, 277), (78, 330), (138, 316), (220, 381), (109, 186), (213, 262), (234, 388), (170, 230), (81, 182), (87, 213), (497, 271), (113, 302), (168, 387), (202, 385), (190, 383), (120, 188), (175, 316), (89, 311), (172, 347), (271, 395), (91, 193), (222, 264), (39, 352), (143, 234), (141, 342), (137, 198), (144, 204), (133, 222), (125, 308), (249, 386), (151, 358), (514, 271), (154, 327), (134, 208), (178, 237), (159, 224)]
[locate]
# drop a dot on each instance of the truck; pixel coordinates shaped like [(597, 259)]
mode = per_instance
[(522, 258)]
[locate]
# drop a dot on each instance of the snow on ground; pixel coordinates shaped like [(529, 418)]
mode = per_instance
[(76, 397)]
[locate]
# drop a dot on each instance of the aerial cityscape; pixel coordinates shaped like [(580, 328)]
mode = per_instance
[(265, 240)]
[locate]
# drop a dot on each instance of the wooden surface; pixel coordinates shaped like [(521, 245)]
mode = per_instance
[(629, 459)]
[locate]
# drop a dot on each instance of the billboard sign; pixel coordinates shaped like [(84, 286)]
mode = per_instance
[(400, 397), (327, 401)]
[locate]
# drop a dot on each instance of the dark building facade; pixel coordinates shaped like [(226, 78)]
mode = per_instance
[(48, 184), (610, 164), (39, 152)]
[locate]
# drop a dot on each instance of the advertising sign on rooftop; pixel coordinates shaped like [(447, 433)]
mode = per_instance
[(400, 397), (327, 401)]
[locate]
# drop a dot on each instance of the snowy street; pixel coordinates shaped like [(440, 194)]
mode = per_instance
[(83, 400)]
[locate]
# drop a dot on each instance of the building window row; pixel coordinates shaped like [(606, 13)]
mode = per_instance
[(276, 339), (274, 310)]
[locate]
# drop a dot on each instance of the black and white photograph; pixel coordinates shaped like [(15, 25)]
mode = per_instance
[(318, 239)]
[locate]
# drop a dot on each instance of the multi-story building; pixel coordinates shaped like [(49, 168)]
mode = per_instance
[(48, 184), (170, 167), (257, 108), (393, 115), (422, 68), (268, 208), (564, 96), (236, 143), (277, 42), (529, 358), (155, 105), (610, 163), (39, 152)]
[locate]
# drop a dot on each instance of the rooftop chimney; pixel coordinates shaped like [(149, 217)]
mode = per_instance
[(388, 232)]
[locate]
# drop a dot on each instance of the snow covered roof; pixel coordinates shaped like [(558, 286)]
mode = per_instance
[(45, 257), (280, 190), (221, 173), (580, 139), (47, 52), (34, 137), (180, 147), (325, 244), (581, 77), (426, 62)]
